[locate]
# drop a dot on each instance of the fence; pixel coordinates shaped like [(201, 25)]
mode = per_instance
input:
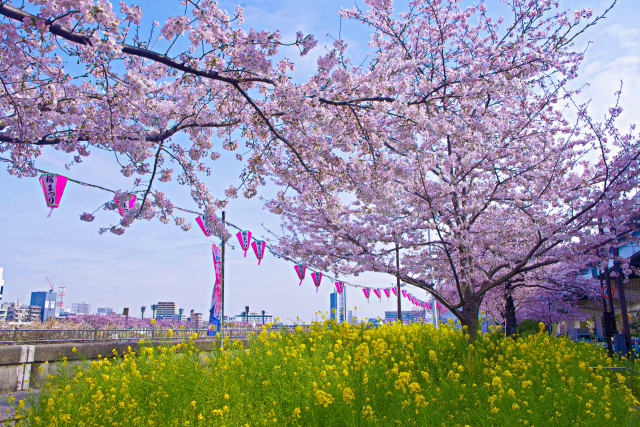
[(33, 336)]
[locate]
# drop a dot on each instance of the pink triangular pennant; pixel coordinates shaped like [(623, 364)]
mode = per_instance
[(125, 204), (52, 186), (340, 287), (300, 270), (367, 293), (404, 293), (395, 291), (244, 237), (377, 292), (205, 225), (258, 248), (317, 278), (387, 292)]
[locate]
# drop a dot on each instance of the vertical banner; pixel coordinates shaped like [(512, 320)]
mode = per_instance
[(215, 312)]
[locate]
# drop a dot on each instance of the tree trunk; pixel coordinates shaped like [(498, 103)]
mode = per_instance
[(510, 313), (469, 318)]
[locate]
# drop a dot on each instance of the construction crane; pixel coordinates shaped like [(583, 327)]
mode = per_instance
[(50, 285), (59, 304), (61, 295)]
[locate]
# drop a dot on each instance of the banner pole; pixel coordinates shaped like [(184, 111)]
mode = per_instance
[(222, 285)]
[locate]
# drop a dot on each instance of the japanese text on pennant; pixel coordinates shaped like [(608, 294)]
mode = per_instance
[(244, 237), (205, 224), (53, 186), (317, 278), (300, 271), (258, 249), (125, 204)]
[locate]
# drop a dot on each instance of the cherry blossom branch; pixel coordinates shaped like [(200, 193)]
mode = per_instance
[(82, 39)]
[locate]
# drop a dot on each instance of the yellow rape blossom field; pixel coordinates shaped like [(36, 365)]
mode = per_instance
[(347, 375)]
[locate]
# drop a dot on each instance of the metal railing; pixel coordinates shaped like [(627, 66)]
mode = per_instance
[(34, 336)]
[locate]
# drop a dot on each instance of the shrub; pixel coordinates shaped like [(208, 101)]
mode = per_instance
[(347, 375), (527, 327)]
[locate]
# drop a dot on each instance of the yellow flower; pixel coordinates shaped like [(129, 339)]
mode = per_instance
[(325, 399), (367, 411), (347, 395)]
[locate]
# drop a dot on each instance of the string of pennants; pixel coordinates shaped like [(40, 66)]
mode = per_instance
[(53, 186), (244, 238)]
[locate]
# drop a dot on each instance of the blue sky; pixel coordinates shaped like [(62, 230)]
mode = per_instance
[(153, 262)]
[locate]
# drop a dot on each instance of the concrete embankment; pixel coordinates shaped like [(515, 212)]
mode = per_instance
[(19, 364)]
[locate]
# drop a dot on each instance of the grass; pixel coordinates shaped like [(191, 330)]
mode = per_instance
[(347, 375)]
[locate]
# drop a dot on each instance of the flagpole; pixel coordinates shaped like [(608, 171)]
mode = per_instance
[(222, 284)]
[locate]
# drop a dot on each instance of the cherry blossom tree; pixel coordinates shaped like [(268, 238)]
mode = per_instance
[(82, 76), (462, 141)]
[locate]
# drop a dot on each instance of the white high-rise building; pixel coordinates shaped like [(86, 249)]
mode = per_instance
[(80, 308), (165, 310), (1, 284)]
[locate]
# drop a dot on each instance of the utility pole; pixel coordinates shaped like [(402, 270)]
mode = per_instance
[(222, 283), (398, 283)]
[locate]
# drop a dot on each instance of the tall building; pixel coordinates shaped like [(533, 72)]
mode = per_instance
[(343, 305), (408, 316), (165, 309), (333, 305), (23, 313), (47, 303), (1, 283), (4, 308), (195, 320), (35, 313), (80, 307), (105, 310)]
